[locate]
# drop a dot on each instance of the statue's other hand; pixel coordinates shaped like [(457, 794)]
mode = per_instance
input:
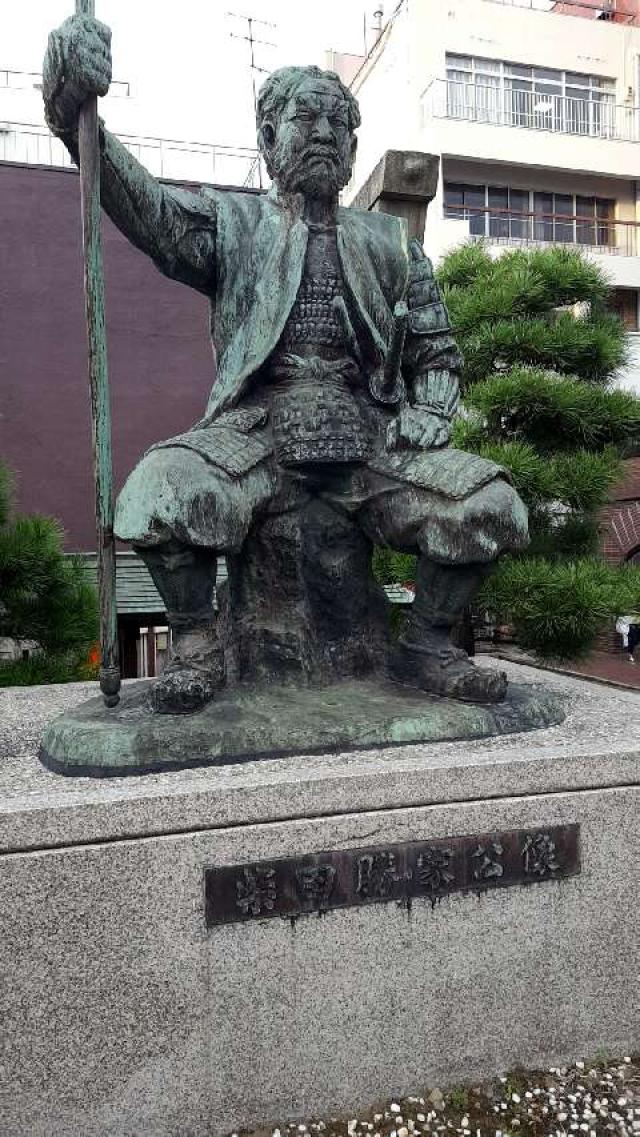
[(418, 428), (77, 64)]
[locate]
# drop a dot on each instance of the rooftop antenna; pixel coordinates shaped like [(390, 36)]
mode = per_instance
[(253, 67), (378, 14), (376, 27)]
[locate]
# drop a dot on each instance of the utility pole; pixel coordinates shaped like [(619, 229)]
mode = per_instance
[(253, 67)]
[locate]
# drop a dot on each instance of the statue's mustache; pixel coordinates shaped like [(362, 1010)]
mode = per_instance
[(327, 152)]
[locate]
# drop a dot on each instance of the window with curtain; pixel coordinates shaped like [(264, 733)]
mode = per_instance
[(538, 98)]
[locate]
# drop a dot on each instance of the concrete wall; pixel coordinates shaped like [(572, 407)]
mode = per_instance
[(160, 357)]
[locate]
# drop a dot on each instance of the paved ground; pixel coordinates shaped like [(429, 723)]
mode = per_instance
[(600, 665), (614, 668), (609, 667)]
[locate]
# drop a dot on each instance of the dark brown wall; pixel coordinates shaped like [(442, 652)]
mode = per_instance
[(160, 357)]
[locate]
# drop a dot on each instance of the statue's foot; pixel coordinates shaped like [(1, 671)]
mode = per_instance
[(438, 667), (190, 680), (182, 691)]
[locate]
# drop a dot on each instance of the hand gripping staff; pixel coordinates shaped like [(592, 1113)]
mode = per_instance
[(89, 150)]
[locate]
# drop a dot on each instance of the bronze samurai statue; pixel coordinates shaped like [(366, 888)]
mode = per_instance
[(327, 427)]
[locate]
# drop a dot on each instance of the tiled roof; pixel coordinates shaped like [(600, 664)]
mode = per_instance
[(136, 592)]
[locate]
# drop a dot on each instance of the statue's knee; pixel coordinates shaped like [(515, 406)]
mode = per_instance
[(476, 530), (157, 499), (514, 513), (148, 481), (502, 513), (175, 493)]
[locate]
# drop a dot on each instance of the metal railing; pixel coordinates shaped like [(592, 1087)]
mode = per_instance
[(511, 227), (501, 106), (533, 5), (620, 10), (19, 80), (164, 157), (30, 80)]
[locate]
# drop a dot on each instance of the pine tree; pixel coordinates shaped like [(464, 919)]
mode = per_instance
[(44, 596), (540, 351)]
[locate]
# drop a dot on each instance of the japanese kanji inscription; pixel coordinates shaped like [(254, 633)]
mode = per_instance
[(297, 886)]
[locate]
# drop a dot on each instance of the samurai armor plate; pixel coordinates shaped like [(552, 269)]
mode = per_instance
[(231, 443), (449, 473), (318, 423)]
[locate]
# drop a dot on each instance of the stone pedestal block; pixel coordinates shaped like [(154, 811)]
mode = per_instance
[(126, 1012), (403, 183)]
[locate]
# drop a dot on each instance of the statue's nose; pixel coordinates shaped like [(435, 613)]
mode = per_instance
[(322, 128)]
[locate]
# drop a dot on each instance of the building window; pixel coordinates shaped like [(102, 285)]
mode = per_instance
[(469, 203), (502, 213), (537, 98)]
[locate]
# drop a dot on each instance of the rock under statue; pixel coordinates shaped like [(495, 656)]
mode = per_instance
[(327, 427)]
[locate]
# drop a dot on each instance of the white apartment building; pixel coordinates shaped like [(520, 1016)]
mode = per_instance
[(535, 116)]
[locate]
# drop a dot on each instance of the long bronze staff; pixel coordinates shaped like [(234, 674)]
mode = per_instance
[(88, 146)]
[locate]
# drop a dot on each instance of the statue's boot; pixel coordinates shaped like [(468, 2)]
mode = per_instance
[(185, 578), (425, 656), (195, 671)]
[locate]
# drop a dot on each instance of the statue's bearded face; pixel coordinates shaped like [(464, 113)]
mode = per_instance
[(311, 147)]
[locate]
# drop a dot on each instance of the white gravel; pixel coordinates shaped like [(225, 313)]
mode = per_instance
[(596, 1098)]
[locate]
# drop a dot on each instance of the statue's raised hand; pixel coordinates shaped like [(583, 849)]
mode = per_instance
[(77, 64)]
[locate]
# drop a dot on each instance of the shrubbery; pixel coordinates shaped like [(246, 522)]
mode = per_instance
[(44, 596), (540, 350)]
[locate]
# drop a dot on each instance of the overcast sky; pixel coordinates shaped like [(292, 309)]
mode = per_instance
[(190, 78)]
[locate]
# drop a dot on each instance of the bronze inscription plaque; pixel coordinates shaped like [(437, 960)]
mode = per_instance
[(316, 883)]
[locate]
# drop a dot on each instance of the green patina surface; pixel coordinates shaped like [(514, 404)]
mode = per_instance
[(325, 434), (247, 722)]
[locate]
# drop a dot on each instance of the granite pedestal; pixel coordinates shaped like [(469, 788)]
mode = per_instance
[(124, 1015)]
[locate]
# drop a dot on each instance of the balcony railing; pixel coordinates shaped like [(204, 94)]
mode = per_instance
[(509, 227), (500, 106), (166, 158)]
